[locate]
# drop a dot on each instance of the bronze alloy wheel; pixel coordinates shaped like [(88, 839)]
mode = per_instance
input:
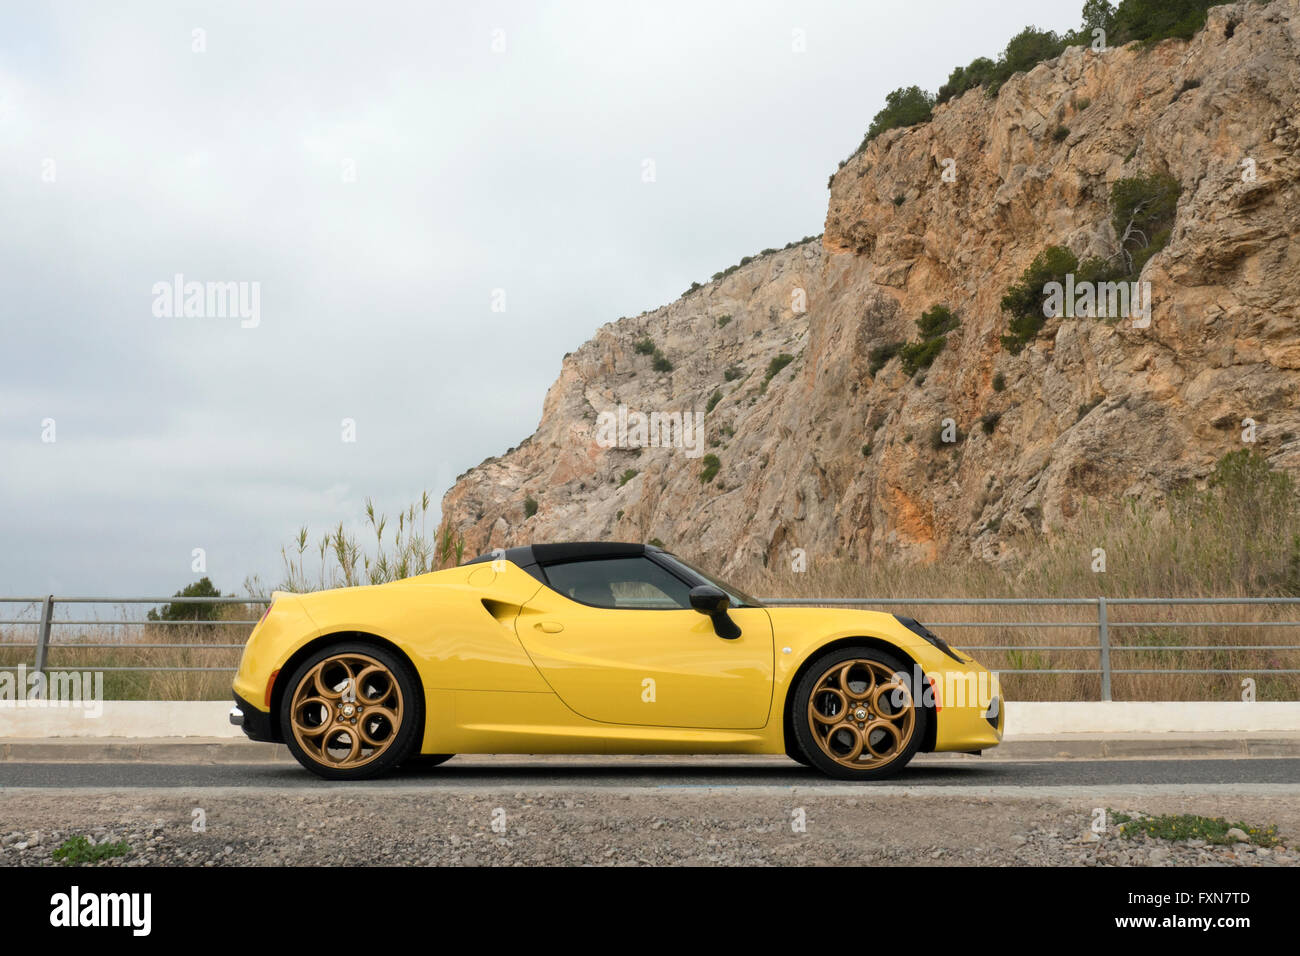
[(860, 713), (347, 710)]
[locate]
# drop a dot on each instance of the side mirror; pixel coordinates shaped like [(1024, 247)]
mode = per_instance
[(714, 602), (709, 600)]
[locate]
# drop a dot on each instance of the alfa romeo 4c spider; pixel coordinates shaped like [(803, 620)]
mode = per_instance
[(599, 648)]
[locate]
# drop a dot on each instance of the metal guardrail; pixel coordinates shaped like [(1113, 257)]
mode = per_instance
[(1101, 623), (45, 625)]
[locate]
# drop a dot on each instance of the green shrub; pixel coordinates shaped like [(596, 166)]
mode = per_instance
[(661, 362), (866, 450), (1023, 301), (530, 506), (963, 78), (919, 355), (1153, 20), (624, 478), (773, 367), (1142, 211), (656, 542), (723, 320), (713, 400), (711, 465), (937, 320), (202, 588), (733, 373), (881, 354), (1060, 134), (905, 106), (989, 421), (934, 324), (1024, 51), (1146, 20), (900, 199), (644, 347), (694, 287), (999, 382)]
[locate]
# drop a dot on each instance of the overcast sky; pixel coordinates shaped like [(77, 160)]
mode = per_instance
[(377, 170)]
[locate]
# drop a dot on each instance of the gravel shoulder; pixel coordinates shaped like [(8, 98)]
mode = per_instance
[(623, 826)]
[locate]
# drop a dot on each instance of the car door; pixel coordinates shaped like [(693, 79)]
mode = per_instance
[(617, 640)]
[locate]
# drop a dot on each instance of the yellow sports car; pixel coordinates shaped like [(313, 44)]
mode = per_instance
[(599, 648)]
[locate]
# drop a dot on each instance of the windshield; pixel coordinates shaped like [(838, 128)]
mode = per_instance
[(738, 597)]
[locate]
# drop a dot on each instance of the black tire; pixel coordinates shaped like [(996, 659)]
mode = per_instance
[(807, 742), (400, 741), (425, 761), (793, 752)]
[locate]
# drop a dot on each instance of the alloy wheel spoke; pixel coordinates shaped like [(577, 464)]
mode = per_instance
[(844, 686), (347, 710), (866, 728)]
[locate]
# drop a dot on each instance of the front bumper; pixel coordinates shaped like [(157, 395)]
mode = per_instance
[(256, 724)]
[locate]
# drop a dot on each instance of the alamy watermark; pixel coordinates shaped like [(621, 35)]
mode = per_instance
[(1098, 300), (632, 429), (21, 688), (179, 299)]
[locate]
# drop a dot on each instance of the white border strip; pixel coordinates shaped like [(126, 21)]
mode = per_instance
[(209, 718)]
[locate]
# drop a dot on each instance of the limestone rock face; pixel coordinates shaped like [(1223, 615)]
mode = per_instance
[(828, 457)]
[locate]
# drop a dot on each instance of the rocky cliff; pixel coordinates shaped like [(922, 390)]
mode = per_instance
[(833, 455)]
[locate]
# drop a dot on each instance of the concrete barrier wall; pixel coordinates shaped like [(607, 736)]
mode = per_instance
[(209, 718)]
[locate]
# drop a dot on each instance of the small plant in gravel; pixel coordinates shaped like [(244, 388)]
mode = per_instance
[(711, 465), (1187, 826), (624, 478), (78, 850)]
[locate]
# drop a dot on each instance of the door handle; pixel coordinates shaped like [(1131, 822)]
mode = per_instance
[(550, 627)]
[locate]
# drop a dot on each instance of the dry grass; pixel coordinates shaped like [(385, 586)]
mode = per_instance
[(124, 643), (1238, 537)]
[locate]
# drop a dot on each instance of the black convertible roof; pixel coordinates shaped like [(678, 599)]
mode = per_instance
[(566, 551)]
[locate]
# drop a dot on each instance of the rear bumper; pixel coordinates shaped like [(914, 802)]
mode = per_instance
[(256, 724)]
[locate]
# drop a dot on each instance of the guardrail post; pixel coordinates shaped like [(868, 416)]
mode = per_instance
[(1103, 642), (43, 641)]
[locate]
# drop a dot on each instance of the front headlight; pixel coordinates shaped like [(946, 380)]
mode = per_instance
[(920, 630)]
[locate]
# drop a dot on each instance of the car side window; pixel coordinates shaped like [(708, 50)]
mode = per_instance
[(634, 583)]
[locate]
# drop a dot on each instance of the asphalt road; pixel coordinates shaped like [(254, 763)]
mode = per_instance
[(686, 773)]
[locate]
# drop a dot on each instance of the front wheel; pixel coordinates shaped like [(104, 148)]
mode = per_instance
[(855, 717), (351, 711)]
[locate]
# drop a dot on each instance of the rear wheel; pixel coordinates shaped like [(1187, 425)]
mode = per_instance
[(351, 711), (855, 717)]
